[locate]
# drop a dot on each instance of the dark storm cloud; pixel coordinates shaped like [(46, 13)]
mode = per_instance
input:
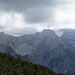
[(35, 11)]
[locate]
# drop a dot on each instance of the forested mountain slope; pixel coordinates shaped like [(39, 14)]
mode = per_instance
[(15, 66)]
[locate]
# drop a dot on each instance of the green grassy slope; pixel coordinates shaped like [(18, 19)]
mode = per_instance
[(15, 66)]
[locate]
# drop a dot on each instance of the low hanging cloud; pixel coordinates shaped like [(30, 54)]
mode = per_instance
[(2, 27), (20, 31)]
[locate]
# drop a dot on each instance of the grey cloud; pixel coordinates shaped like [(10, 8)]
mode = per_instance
[(21, 5), (34, 10), (2, 27), (24, 5), (38, 15)]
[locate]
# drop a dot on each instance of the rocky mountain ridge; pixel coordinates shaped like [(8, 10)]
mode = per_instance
[(44, 48)]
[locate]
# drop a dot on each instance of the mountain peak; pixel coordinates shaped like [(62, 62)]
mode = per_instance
[(48, 31)]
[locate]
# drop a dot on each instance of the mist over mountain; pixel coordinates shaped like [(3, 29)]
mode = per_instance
[(45, 48)]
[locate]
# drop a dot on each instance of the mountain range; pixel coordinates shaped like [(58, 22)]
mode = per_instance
[(45, 48)]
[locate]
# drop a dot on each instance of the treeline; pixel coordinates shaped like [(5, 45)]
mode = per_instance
[(15, 66)]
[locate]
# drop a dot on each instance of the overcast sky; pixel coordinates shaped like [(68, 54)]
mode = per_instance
[(18, 17)]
